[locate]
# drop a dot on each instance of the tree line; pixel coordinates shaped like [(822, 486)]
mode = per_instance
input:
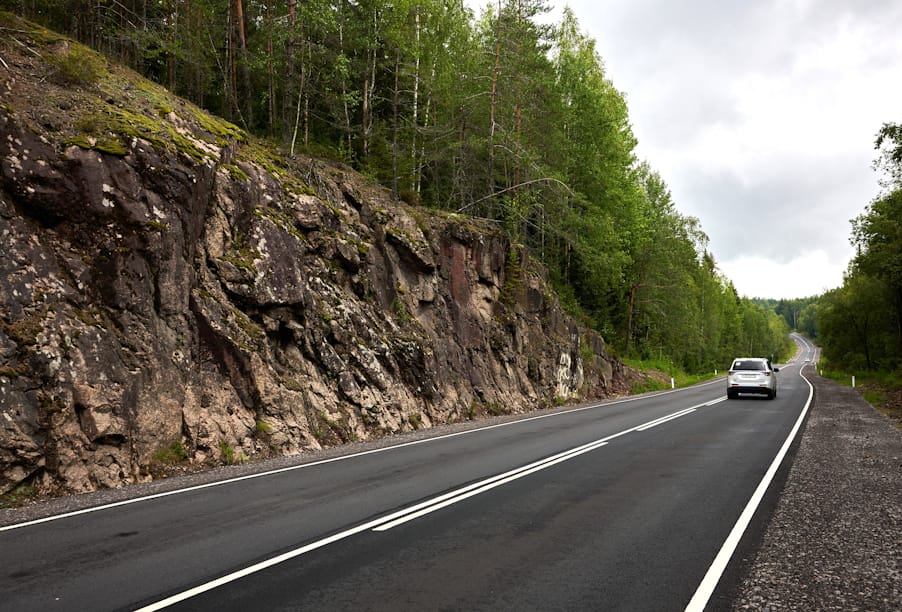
[(859, 324), (501, 116)]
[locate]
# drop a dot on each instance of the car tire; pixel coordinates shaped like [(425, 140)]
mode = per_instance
[(731, 394), (771, 395)]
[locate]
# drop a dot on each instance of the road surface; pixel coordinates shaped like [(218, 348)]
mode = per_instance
[(616, 505)]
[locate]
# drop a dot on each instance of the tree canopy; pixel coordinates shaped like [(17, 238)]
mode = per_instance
[(501, 116)]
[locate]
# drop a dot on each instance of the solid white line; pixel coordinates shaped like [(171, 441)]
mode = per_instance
[(712, 577), (401, 516), (665, 419), (135, 500), (486, 487)]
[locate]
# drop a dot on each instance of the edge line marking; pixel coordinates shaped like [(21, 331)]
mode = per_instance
[(404, 515), (712, 577), (291, 468)]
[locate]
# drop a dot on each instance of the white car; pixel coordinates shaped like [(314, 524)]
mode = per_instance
[(752, 375)]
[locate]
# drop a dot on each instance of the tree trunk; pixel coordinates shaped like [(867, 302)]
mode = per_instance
[(495, 72), (395, 102), (288, 97), (243, 59), (270, 75), (369, 90), (344, 85), (415, 164)]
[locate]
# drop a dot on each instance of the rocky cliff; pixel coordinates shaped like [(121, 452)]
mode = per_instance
[(173, 292)]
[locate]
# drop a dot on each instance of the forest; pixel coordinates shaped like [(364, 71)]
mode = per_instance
[(859, 324), (501, 115)]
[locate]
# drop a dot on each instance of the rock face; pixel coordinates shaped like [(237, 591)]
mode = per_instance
[(188, 298)]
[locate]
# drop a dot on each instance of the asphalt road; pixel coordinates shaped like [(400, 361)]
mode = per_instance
[(620, 505)]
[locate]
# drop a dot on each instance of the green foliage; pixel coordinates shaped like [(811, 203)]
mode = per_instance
[(77, 65), (889, 143), (859, 325), (666, 370), (173, 454), (400, 311), (18, 496), (262, 428), (513, 276), (228, 455), (502, 117)]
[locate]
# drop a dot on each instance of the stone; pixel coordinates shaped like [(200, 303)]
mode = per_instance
[(156, 299)]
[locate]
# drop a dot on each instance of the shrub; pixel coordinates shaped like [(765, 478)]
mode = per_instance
[(78, 66)]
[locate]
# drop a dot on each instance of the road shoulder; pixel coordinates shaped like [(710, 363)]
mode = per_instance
[(834, 541)]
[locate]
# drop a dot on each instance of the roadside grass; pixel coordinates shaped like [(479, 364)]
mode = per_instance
[(882, 390), (658, 373)]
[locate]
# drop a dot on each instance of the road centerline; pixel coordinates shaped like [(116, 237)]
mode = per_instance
[(291, 468), (408, 514)]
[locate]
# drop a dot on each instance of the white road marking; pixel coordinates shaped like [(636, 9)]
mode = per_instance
[(712, 577), (657, 422), (135, 500), (408, 514), (484, 486)]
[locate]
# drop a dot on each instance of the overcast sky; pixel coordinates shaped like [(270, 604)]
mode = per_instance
[(761, 117)]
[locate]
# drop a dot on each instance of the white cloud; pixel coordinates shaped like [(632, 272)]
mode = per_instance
[(760, 116), (806, 275)]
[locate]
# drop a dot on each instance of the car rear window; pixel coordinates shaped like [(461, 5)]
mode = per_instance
[(749, 364)]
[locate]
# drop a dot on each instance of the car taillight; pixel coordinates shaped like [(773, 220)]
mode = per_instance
[(767, 373)]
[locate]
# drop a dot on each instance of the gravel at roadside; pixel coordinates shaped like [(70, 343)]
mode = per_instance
[(834, 541)]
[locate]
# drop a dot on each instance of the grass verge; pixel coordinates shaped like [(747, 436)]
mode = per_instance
[(882, 390)]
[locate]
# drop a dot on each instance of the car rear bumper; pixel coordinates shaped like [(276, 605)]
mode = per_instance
[(765, 390)]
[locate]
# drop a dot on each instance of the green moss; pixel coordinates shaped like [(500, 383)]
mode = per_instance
[(8, 371), (267, 158), (245, 324), (240, 255), (90, 123), (236, 173), (362, 247), (218, 127), (158, 226), (243, 260), (25, 331), (400, 311), (80, 141), (111, 146), (281, 219), (132, 124), (163, 109), (90, 318)]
